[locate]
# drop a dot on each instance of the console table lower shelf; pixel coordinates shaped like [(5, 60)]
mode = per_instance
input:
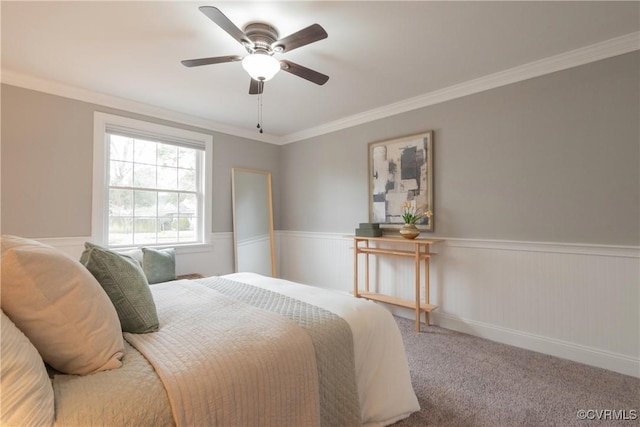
[(419, 253)]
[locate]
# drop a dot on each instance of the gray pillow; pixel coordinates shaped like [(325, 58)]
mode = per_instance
[(126, 285), (159, 265)]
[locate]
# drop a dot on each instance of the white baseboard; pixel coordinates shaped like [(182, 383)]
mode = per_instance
[(575, 301), (566, 350)]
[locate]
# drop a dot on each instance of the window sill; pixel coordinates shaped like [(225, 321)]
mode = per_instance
[(190, 248)]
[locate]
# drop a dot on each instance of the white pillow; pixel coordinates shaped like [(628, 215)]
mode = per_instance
[(27, 394), (60, 307)]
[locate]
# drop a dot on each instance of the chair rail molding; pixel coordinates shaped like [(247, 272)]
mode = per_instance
[(211, 259), (575, 301)]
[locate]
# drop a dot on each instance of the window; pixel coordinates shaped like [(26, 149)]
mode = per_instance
[(152, 184)]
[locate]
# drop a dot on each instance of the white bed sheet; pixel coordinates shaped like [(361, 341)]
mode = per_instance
[(382, 372)]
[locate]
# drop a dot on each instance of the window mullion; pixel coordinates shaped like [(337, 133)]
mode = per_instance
[(163, 190), (133, 218), (127, 213)]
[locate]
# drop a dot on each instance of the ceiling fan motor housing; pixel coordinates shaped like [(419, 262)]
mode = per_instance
[(262, 35), (261, 40)]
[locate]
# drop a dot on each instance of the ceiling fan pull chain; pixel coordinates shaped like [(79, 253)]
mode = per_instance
[(259, 115), (261, 41), (260, 112)]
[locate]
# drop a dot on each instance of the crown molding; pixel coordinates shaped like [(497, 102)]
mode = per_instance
[(102, 99), (595, 52), (603, 50)]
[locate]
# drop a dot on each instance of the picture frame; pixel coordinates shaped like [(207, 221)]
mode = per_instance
[(401, 174)]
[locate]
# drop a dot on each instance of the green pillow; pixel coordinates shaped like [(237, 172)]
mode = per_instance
[(126, 285), (159, 265)]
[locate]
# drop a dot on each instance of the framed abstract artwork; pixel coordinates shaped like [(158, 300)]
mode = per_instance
[(401, 179)]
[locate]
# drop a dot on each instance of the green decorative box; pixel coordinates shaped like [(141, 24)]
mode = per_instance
[(369, 225), (369, 232)]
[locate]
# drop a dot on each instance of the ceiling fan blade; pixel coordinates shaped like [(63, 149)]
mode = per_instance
[(209, 61), (225, 23), (304, 72), (311, 34), (256, 87)]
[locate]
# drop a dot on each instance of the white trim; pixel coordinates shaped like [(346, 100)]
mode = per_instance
[(595, 52), (211, 259), (554, 347), (100, 123), (68, 91), (334, 255), (563, 61), (578, 353), (547, 247), (154, 128), (498, 289), (73, 243), (507, 245)]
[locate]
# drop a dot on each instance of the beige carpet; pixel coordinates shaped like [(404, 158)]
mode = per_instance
[(462, 380)]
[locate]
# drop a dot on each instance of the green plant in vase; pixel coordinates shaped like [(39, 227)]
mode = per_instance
[(411, 215)]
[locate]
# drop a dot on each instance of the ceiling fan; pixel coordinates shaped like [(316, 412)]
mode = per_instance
[(261, 42)]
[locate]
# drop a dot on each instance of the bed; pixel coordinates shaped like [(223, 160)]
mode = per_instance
[(239, 349)]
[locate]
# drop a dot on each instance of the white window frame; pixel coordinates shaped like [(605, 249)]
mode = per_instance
[(100, 218)]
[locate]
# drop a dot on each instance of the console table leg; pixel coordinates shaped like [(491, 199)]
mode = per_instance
[(355, 269), (417, 285), (427, 291), (420, 251)]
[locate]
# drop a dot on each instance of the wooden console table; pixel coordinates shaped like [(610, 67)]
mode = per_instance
[(418, 250)]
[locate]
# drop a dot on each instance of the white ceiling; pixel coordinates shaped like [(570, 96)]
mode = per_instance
[(382, 57)]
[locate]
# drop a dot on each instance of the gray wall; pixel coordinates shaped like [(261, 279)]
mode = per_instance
[(47, 156), (551, 159)]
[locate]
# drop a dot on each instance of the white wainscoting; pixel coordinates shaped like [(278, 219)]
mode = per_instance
[(254, 254), (212, 259), (579, 302)]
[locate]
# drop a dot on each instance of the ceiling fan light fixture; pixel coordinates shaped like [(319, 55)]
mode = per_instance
[(261, 66)]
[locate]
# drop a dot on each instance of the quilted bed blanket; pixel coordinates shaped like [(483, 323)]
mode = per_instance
[(224, 362), (132, 395), (204, 366), (332, 342)]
